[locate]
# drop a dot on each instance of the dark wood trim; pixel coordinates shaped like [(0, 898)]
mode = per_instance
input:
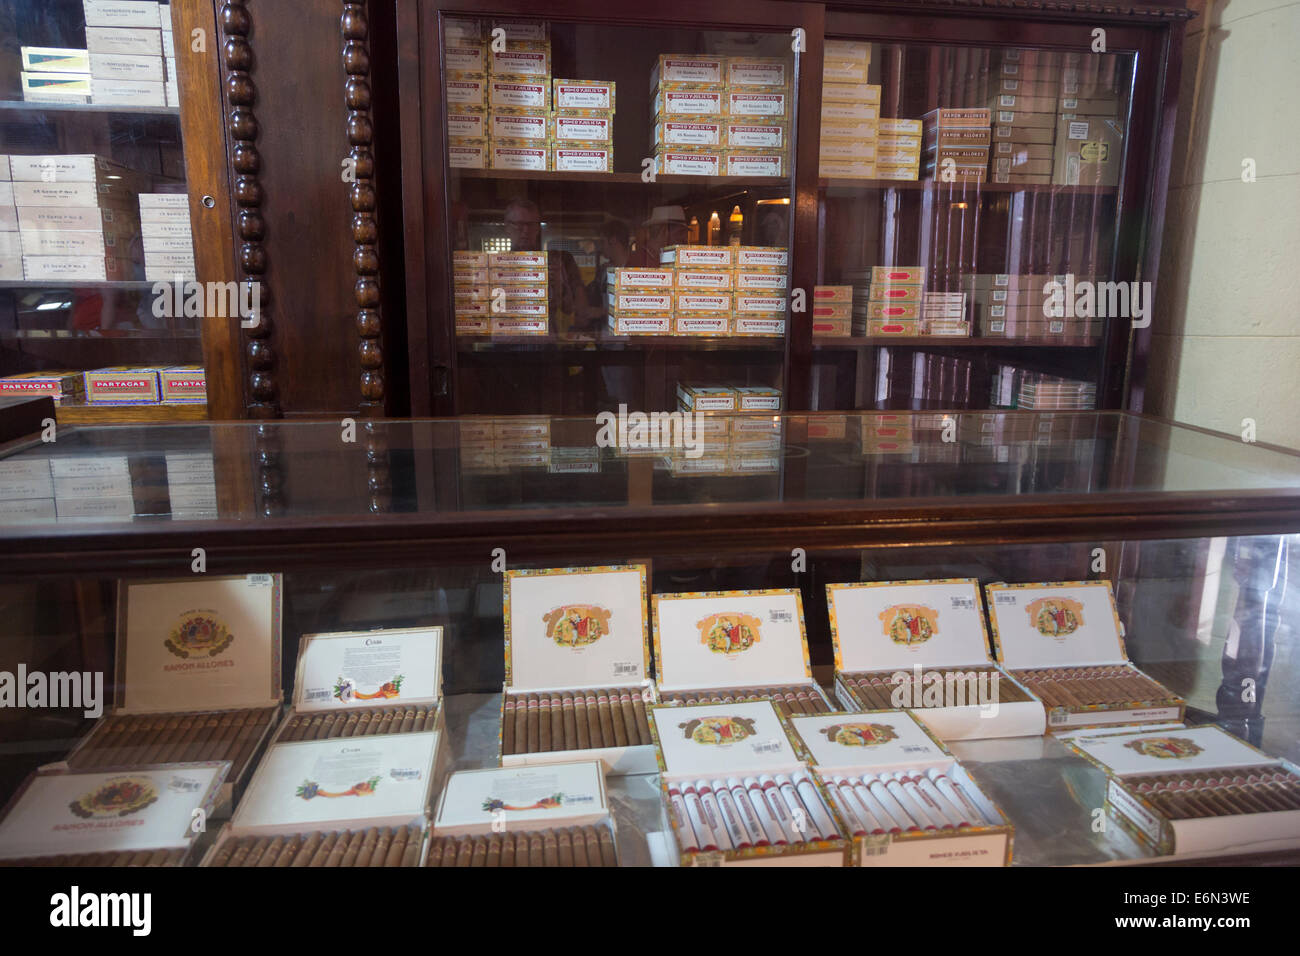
[(1092, 12), (804, 236)]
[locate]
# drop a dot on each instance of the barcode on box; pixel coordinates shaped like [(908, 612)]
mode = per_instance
[(963, 604), (1005, 599), (258, 580), (875, 845), (875, 850), (783, 616), (321, 694), (768, 747), (627, 669)]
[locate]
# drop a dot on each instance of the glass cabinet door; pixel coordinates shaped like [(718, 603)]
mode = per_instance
[(94, 213)]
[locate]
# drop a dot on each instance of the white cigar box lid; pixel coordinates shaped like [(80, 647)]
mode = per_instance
[(878, 742), (521, 797), (1169, 750), (894, 625), (1066, 624), (722, 740), (379, 668)]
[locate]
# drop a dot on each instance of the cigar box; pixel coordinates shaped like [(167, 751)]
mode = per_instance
[(533, 95), (689, 161), (1061, 628), (833, 111), (703, 280), (657, 302), (772, 258), (703, 303), (709, 324), (753, 162), (705, 257), (769, 136), (575, 633), (672, 104), (672, 68), (198, 676), (183, 385), (854, 130), (751, 103), (523, 64), (63, 387), (468, 125), (468, 154), (702, 745), (1246, 801), (466, 93), (583, 94), (1023, 119), (640, 280), (884, 744), (641, 324), (304, 790), (750, 280), (933, 632), (1020, 134), (515, 155), (846, 169), (583, 129), (758, 71), (465, 59), (734, 643), (867, 93), (531, 814), (681, 133), (130, 816), (906, 327), (1089, 152)]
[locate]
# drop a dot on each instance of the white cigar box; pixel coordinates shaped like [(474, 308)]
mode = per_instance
[(131, 41), (902, 632), (742, 644), (121, 13), (125, 66), (531, 803), (571, 631), (941, 828), (1142, 765), (308, 787), (1068, 626), (126, 816), (128, 92), (744, 747), (97, 509), (25, 480), (44, 59), (192, 649)]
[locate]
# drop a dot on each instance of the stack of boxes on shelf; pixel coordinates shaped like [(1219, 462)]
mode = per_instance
[(55, 75), (1018, 307), (130, 62), (466, 92), (519, 292), (583, 127), (1024, 118), (494, 445), (470, 281), (730, 443), (944, 313), (898, 153), (832, 310), (1090, 131), (893, 304), (166, 237), (519, 93), (957, 144), (11, 251), (640, 301), (115, 386), (704, 283), (850, 111)]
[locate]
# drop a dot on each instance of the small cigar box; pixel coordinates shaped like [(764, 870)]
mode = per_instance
[(922, 645), (366, 683), (735, 792), (363, 794), (198, 677), (137, 816), (900, 793), (721, 646), (557, 815), (1197, 791), (577, 668), (1064, 642)]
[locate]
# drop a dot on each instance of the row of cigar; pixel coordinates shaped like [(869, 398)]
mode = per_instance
[(365, 722), (796, 699), (174, 738), (737, 813), (877, 691), (581, 720), (376, 846), (909, 800), (1220, 792), (1081, 686), (107, 858), (572, 846)]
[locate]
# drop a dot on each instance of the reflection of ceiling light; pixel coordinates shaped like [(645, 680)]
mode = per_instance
[(959, 205), (48, 306), (783, 201)]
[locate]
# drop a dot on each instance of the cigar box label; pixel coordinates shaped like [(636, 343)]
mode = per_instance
[(848, 112), (641, 279), (576, 627), (744, 163), (860, 93), (757, 104), (467, 155), (844, 150), (520, 157), (520, 797), (849, 129), (517, 260), (522, 63), (465, 259), (466, 325), (520, 308), (841, 71), (905, 173), (591, 159), (368, 668), (702, 324), (757, 71), (590, 129), (760, 303), (467, 125), (512, 325), (698, 280), (688, 134), (469, 307), (1072, 623), (748, 136), (760, 324), (686, 69), (689, 102), (692, 163), (583, 94), (640, 301), (891, 625), (893, 327), (523, 32), (182, 386), (839, 311), (466, 58), (466, 92), (762, 257), (520, 126), (525, 95), (716, 739), (637, 324), (687, 302), (518, 276), (850, 169), (750, 280), (897, 275), (717, 257)]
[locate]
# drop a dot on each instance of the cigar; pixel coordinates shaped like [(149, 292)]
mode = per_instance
[(494, 850), (533, 737), (223, 741), (223, 855), (594, 723), (312, 731), (606, 719), (408, 721), (544, 725), (350, 725), (444, 852), (536, 850), (478, 857), (617, 720), (464, 851), (386, 723), (569, 722), (91, 753), (325, 849), (184, 734), (293, 729), (270, 853), (606, 840), (307, 849), (431, 718), (867, 694), (508, 726), (411, 854), (242, 850), (363, 724), (396, 847), (550, 848), (130, 739), (507, 849), (628, 707), (556, 711), (140, 739), (579, 847), (642, 722), (379, 854)]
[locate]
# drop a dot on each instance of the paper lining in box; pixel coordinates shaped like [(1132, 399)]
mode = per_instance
[(131, 816), (575, 633), (734, 791), (1196, 791), (583, 94), (355, 670), (892, 634), (680, 133), (674, 68), (1047, 635), (913, 804), (689, 162)]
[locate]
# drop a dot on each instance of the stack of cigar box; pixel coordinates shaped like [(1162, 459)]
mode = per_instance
[(726, 290), (721, 116), (1021, 307), (640, 301), (738, 431), (11, 249), (944, 313), (1064, 643), (131, 816), (735, 791), (832, 310), (582, 129), (55, 74), (850, 111), (577, 671), (187, 689), (77, 217), (1090, 132), (893, 305), (957, 144), (166, 237), (518, 292), (1040, 391), (553, 816), (898, 155), (496, 446), (132, 53), (1024, 116), (469, 273), (898, 792)]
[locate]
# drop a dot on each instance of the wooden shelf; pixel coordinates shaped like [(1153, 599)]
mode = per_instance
[(824, 342), (965, 188), (89, 108), (123, 284), (615, 343), (622, 178), (129, 415)]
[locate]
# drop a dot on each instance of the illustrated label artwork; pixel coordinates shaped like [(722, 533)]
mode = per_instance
[(345, 689), (1055, 616), (199, 633), (1166, 748), (909, 623), (718, 730), (575, 625), (310, 789), (118, 797), (552, 802), (729, 633), (860, 735)]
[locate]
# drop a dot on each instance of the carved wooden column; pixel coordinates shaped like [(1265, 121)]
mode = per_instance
[(241, 123), (365, 229)]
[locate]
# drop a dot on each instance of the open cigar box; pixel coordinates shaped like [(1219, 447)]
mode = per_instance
[(366, 683), (1064, 643), (724, 646), (134, 816), (541, 815), (900, 793), (198, 677), (336, 802), (922, 645), (735, 793), (577, 677), (1197, 791)]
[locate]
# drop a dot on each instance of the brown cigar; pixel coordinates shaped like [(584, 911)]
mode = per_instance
[(521, 724), (326, 729), (606, 840), (379, 855), (386, 723), (557, 723), (580, 857), (185, 733), (564, 847), (243, 851), (628, 707), (446, 852), (642, 722), (324, 849), (139, 740), (223, 741), (868, 695), (340, 848), (246, 742), (368, 843), (594, 727), (534, 726), (479, 856), (606, 719), (202, 737), (493, 851), (363, 725), (536, 850), (569, 721), (550, 849), (396, 847), (307, 849), (293, 728), (222, 856), (616, 721), (158, 858), (408, 721), (130, 738), (270, 853), (313, 728), (464, 851), (543, 724), (105, 743), (431, 719), (355, 842), (508, 726), (581, 726), (350, 725)]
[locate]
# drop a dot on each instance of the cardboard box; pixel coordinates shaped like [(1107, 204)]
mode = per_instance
[(704, 280), (183, 385), (467, 154), (751, 103), (689, 161), (1023, 102), (518, 128), (1020, 134), (758, 71), (96, 268), (121, 13), (523, 94), (1024, 120), (707, 257), (684, 104), (44, 59), (965, 117), (471, 92), (63, 387), (676, 133), (763, 137), (759, 258), (55, 87), (1089, 152), (125, 66), (515, 156), (1071, 627), (570, 631), (583, 94), (640, 280), (585, 129), (685, 68), (747, 162)]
